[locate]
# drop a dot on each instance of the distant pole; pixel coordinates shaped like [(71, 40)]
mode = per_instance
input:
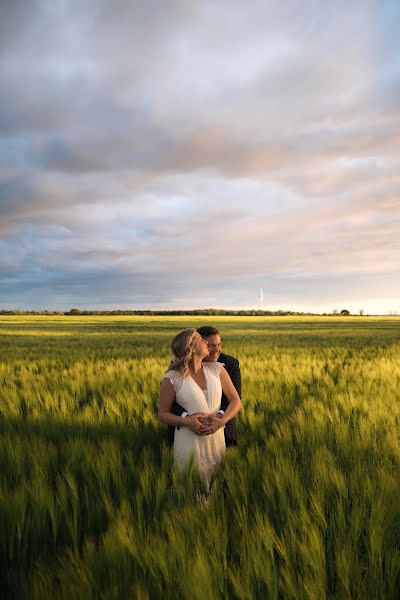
[(261, 299)]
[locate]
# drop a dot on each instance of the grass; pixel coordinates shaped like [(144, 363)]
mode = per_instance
[(306, 507)]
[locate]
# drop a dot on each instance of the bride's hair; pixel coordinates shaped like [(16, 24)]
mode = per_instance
[(182, 351)]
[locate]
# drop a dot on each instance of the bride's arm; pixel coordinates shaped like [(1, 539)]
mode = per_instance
[(167, 397), (233, 397)]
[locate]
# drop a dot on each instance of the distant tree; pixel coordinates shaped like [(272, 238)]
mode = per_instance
[(361, 312), (335, 312), (344, 312), (74, 311)]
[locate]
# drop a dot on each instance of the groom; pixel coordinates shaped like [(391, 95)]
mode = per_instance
[(231, 364)]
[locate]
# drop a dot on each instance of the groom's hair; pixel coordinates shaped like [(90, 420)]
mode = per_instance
[(206, 331)]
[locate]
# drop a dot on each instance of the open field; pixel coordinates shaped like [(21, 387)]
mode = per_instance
[(308, 506)]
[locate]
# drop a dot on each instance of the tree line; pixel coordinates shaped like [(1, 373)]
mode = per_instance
[(196, 312)]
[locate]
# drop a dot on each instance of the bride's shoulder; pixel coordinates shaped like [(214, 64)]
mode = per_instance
[(175, 378), (213, 367)]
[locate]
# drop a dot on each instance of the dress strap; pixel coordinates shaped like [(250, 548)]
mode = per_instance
[(213, 367), (175, 378)]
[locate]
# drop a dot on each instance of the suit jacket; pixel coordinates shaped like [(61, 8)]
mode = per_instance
[(232, 367)]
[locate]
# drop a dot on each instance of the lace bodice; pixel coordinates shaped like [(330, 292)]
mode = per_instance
[(190, 396)]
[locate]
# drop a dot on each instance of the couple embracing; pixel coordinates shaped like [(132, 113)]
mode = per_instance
[(199, 398)]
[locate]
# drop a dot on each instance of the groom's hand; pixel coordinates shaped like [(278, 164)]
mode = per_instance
[(210, 424), (194, 422)]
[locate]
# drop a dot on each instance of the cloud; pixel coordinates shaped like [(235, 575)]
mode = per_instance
[(191, 147)]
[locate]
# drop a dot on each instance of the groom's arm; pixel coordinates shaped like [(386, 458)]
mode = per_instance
[(233, 369), (177, 410), (236, 377)]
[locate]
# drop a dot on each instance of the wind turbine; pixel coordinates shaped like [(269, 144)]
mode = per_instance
[(261, 298)]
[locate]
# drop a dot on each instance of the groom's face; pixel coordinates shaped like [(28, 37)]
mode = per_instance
[(214, 348)]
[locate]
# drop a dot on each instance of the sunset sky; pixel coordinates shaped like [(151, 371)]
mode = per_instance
[(186, 154)]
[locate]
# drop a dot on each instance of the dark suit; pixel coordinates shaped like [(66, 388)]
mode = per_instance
[(233, 369)]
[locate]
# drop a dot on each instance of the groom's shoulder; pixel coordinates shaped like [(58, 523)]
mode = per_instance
[(229, 361)]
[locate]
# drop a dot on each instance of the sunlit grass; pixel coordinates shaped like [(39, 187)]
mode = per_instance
[(306, 507)]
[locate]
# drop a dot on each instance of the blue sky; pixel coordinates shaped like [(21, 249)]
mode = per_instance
[(183, 155)]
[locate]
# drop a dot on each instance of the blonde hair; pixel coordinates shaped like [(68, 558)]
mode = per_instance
[(182, 347)]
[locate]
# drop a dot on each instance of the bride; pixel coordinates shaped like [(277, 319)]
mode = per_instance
[(197, 386)]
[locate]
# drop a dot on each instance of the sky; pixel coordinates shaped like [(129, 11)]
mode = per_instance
[(178, 154)]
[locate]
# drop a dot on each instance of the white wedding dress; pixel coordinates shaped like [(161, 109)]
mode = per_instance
[(207, 450)]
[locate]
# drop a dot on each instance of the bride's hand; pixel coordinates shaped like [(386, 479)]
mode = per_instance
[(193, 422), (210, 424)]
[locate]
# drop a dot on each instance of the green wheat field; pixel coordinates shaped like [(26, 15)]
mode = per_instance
[(307, 506)]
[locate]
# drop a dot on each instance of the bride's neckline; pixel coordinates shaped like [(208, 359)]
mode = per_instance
[(204, 373)]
